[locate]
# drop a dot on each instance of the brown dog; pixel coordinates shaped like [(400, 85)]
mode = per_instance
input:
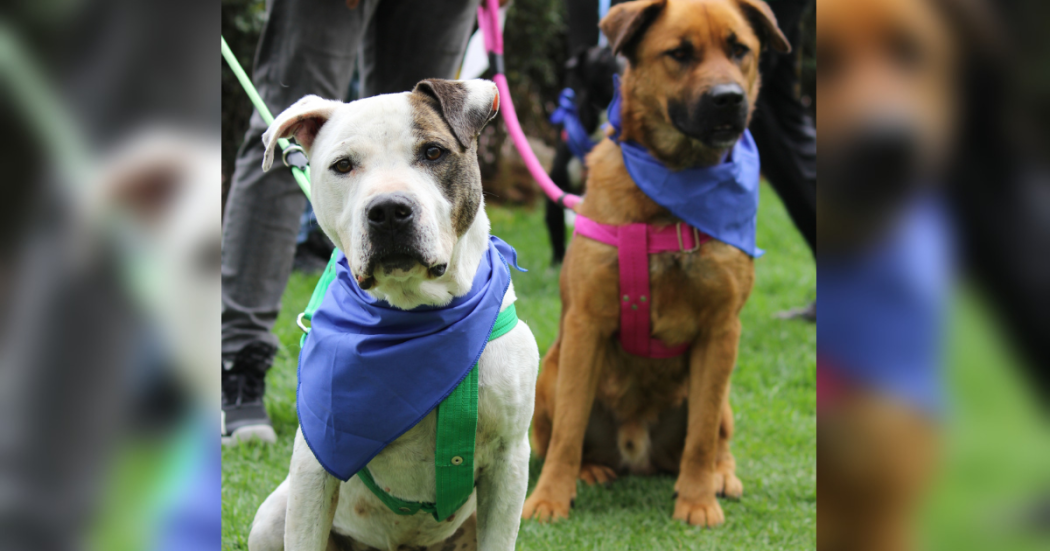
[(889, 87), (600, 410)]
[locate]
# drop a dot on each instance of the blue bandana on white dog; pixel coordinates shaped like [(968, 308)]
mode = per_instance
[(368, 372), (721, 201)]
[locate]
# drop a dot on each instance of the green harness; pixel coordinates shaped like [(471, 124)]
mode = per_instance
[(457, 426)]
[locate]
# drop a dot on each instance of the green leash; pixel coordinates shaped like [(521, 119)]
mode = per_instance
[(457, 415), (299, 172)]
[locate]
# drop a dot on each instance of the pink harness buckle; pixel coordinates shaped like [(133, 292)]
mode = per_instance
[(635, 242)]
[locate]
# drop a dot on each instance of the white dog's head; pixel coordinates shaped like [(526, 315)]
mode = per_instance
[(396, 184)]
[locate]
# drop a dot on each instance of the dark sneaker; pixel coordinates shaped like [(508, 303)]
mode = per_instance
[(243, 386)]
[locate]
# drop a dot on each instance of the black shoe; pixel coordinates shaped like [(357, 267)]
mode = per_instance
[(243, 386)]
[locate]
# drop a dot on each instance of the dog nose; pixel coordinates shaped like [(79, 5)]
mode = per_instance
[(726, 96), (391, 213)]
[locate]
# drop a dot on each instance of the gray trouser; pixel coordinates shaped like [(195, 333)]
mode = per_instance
[(310, 47)]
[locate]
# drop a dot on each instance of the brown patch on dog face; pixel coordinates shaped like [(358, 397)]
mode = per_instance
[(453, 97), (692, 82), (456, 171)]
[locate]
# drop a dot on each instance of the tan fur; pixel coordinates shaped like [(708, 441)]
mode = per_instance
[(696, 299), (876, 459)]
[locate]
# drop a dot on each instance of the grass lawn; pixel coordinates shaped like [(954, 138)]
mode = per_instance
[(773, 397)]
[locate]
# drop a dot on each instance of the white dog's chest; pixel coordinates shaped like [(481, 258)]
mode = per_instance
[(406, 466)]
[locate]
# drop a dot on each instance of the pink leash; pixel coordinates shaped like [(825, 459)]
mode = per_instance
[(488, 20), (635, 242)]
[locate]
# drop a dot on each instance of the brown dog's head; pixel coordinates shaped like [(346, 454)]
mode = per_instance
[(888, 89), (692, 78)]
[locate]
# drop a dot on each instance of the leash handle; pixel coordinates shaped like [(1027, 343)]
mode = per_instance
[(488, 20)]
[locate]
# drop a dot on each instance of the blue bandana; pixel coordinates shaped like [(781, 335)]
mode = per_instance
[(369, 372), (721, 201), (882, 311), (568, 116)]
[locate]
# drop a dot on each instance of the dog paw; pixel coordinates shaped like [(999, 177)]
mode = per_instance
[(547, 505), (707, 514), (727, 485), (596, 474)]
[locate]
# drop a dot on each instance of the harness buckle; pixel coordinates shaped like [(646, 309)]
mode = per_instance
[(299, 322), (292, 148), (681, 244)]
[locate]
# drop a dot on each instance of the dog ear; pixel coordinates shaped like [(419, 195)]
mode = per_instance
[(625, 23), (765, 25), (303, 120), (466, 105), (143, 179)]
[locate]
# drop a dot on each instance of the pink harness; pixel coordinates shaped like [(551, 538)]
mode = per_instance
[(635, 242)]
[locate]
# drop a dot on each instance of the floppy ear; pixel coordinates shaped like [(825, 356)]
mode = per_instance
[(302, 120), (765, 25), (625, 23), (144, 182), (466, 105)]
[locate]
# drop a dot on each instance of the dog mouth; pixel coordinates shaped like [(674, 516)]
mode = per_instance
[(716, 135), (398, 265), (723, 135)]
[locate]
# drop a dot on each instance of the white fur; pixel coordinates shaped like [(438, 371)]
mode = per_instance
[(379, 133)]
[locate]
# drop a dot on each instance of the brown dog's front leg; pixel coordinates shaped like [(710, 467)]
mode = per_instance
[(573, 399), (711, 363)]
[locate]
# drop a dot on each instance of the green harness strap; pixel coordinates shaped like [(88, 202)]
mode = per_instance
[(327, 277), (457, 425)]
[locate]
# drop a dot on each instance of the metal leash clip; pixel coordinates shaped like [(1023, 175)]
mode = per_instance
[(293, 148)]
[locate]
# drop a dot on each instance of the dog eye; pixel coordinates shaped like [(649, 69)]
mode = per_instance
[(739, 50), (434, 153), (343, 166), (680, 54)]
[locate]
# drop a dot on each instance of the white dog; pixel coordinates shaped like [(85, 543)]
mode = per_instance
[(408, 159)]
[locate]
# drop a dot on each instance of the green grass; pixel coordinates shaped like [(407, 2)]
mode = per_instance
[(773, 396), (995, 475)]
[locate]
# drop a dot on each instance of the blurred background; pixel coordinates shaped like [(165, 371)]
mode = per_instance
[(934, 285), (109, 275)]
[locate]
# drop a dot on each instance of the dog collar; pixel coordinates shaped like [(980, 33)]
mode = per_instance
[(720, 201), (368, 372)]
